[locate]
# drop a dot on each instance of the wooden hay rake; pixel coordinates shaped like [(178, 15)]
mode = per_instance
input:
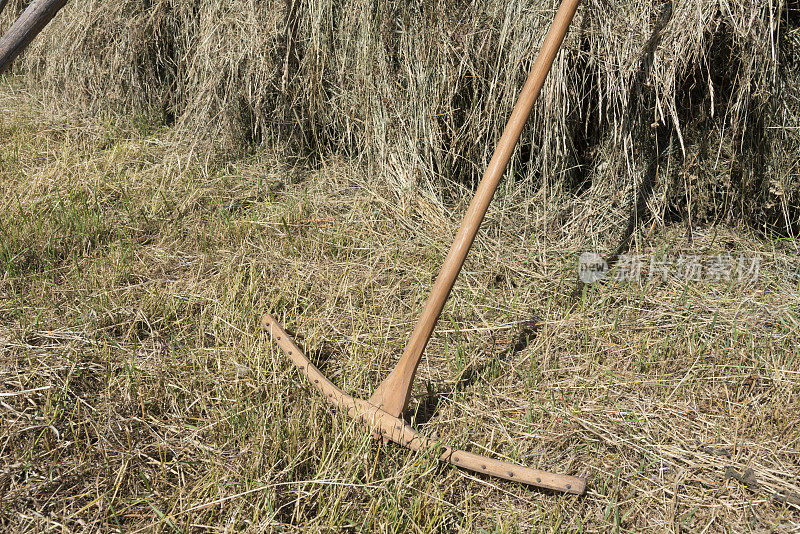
[(383, 412)]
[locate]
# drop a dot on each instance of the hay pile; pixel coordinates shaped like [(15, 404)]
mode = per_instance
[(420, 92)]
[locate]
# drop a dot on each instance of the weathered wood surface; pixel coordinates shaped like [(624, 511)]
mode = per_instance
[(35, 17)]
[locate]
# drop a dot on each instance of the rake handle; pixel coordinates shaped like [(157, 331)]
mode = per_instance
[(396, 430), (393, 393)]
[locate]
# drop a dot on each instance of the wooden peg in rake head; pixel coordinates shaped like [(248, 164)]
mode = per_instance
[(383, 412)]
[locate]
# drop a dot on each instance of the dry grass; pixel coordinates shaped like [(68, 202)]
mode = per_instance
[(137, 392)]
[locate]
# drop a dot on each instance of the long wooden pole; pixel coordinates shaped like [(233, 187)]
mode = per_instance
[(26, 28), (393, 393)]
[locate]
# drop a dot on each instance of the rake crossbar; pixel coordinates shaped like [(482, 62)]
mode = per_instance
[(396, 430), (383, 412)]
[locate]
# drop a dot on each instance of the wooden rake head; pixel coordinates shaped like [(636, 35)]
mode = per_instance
[(383, 412)]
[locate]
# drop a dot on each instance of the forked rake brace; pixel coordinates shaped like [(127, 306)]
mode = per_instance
[(383, 412)]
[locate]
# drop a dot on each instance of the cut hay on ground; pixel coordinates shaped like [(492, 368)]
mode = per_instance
[(169, 170), (138, 394)]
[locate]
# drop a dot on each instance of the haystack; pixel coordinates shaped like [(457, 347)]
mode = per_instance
[(704, 93)]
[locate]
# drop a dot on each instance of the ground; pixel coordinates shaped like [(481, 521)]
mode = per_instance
[(138, 393)]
